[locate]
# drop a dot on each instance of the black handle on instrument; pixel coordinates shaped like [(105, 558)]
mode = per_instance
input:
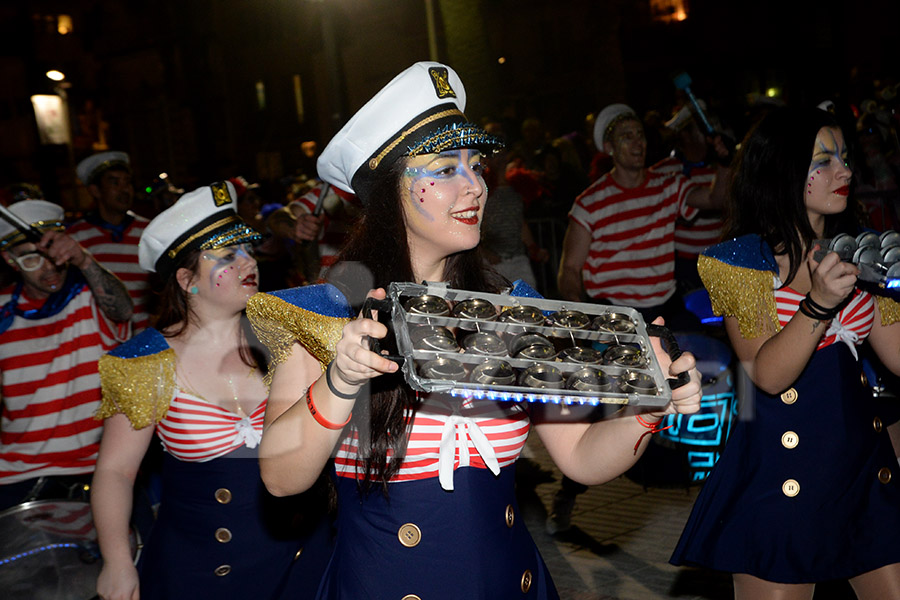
[(383, 307), (673, 350)]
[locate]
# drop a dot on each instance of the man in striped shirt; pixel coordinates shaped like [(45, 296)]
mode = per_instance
[(111, 231), (619, 247), (620, 244), (62, 314)]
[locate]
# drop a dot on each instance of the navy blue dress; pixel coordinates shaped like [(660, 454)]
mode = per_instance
[(267, 553), (467, 543), (808, 486)]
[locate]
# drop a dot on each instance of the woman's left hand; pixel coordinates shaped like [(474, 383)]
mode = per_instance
[(685, 399)]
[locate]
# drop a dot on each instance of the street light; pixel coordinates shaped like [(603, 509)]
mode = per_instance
[(52, 112)]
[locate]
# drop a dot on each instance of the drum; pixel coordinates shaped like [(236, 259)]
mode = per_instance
[(48, 551), (686, 452)]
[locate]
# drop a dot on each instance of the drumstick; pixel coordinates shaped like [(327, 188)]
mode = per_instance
[(30, 232)]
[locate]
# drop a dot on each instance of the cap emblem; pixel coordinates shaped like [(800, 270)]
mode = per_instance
[(441, 80), (220, 193)]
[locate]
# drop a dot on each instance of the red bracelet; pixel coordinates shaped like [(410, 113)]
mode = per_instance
[(652, 427), (318, 416)]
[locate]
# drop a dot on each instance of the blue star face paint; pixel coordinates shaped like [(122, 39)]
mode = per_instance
[(828, 179), (443, 201)]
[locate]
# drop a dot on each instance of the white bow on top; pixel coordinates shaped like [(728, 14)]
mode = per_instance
[(455, 435)]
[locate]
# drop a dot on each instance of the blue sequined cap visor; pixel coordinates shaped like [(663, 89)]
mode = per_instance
[(455, 136), (219, 230)]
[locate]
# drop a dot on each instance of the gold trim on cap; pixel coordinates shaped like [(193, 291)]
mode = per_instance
[(174, 251), (16, 236), (374, 162)]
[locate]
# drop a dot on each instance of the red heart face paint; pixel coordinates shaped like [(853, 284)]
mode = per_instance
[(444, 201)]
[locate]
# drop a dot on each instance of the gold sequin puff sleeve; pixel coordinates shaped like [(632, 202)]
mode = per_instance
[(141, 387), (740, 292), (279, 324), (889, 309)]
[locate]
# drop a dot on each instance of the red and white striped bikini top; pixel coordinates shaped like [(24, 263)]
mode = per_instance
[(852, 325), (448, 434), (196, 430)]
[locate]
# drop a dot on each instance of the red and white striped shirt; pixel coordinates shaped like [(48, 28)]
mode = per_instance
[(631, 259), (448, 434), (51, 388), (121, 258), (852, 325), (195, 430), (705, 229)]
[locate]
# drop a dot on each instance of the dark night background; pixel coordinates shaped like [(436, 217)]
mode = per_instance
[(177, 83)]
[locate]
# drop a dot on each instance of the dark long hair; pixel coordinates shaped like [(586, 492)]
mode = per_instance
[(767, 192), (375, 255), (174, 313)]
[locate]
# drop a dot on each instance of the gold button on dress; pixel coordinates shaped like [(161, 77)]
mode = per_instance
[(410, 535)]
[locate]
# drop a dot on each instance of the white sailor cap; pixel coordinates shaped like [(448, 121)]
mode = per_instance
[(608, 118), (38, 213), (95, 165), (419, 112), (203, 219)]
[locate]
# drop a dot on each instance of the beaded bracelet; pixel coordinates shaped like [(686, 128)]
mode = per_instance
[(652, 427), (334, 390), (318, 416)]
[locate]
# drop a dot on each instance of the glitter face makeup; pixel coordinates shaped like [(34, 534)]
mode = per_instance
[(445, 200), (229, 269), (828, 179)]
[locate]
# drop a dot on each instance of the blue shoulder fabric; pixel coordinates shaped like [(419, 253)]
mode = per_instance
[(323, 299), (147, 342), (747, 251), (523, 290)]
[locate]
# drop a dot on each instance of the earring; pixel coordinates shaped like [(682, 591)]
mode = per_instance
[(194, 289)]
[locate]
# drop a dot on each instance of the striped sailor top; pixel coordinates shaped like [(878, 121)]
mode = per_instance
[(631, 257), (118, 252), (852, 325), (196, 430), (50, 388), (447, 434)]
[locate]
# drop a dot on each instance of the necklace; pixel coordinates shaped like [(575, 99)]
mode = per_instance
[(238, 408), (188, 387)]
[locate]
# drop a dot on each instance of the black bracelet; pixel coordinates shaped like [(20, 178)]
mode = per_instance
[(807, 309), (334, 390), (808, 312), (821, 309)]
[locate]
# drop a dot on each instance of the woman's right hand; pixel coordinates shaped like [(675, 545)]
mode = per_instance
[(118, 582), (832, 280), (354, 363)]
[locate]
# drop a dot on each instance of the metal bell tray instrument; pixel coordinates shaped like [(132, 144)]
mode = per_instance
[(876, 255), (522, 349)]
